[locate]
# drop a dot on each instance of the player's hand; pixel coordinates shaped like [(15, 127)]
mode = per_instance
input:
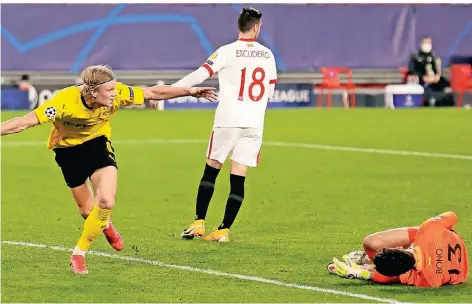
[(429, 79), (153, 103), (350, 270), (204, 92)]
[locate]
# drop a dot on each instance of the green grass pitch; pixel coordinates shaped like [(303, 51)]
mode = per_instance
[(303, 206)]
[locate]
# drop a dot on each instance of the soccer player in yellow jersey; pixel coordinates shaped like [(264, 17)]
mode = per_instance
[(80, 137)]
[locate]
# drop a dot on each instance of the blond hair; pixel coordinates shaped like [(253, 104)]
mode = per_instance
[(94, 76)]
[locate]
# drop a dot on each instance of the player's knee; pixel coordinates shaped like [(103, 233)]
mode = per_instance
[(214, 163), (105, 201), (238, 169)]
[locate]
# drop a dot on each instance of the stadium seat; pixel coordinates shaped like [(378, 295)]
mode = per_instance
[(461, 80), (332, 80), (407, 77), (404, 71)]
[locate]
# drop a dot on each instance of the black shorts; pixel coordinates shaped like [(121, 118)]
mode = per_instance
[(79, 162)]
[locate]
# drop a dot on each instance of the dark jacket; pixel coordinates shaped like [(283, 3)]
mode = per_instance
[(420, 63)]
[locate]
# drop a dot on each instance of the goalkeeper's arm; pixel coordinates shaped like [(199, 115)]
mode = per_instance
[(381, 279), (351, 270)]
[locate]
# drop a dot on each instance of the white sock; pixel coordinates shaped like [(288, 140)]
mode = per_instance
[(78, 251)]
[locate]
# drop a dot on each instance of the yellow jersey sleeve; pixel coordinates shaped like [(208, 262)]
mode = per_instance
[(128, 95), (54, 108)]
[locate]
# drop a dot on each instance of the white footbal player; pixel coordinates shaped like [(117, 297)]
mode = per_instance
[(247, 76)]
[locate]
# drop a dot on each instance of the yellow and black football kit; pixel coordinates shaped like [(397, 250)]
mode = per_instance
[(80, 136)]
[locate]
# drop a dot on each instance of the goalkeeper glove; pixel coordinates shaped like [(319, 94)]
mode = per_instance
[(350, 270)]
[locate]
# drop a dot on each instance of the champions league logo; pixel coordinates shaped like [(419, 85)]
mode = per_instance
[(50, 112), (409, 101)]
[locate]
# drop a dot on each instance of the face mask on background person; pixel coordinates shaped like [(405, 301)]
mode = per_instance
[(426, 47)]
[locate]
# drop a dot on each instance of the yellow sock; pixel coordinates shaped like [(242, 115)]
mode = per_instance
[(93, 227)]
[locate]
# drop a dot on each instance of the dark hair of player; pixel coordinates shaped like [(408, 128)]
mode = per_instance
[(392, 262), (425, 38), (248, 18)]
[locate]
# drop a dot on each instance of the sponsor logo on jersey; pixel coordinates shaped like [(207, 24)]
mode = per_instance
[(209, 62), (78, 125), (214, 55)]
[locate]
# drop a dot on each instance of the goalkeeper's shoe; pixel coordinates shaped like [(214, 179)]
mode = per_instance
[(220, 235), (113, 237), (197, 229), (78, 264)]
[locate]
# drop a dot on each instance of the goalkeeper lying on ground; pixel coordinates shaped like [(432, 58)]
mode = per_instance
[(431, 255)]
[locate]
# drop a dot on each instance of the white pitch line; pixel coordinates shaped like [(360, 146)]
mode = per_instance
[(11, 144), (366, 150), (213, 272)]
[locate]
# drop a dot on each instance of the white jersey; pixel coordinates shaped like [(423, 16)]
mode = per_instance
[(247, 75)]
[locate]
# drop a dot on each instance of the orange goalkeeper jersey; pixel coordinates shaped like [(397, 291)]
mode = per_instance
[(441, 254)]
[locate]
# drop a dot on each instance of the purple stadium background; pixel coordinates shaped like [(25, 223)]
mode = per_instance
[(66, 37)]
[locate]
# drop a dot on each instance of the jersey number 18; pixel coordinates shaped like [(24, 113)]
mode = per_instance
[(256, 81)]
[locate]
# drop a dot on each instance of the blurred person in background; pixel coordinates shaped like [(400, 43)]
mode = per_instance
[(25, 85), (427, 68)]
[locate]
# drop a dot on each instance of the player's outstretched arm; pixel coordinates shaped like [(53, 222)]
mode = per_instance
[(169, 92), (195, 78), (381, 279), (18, 124)]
